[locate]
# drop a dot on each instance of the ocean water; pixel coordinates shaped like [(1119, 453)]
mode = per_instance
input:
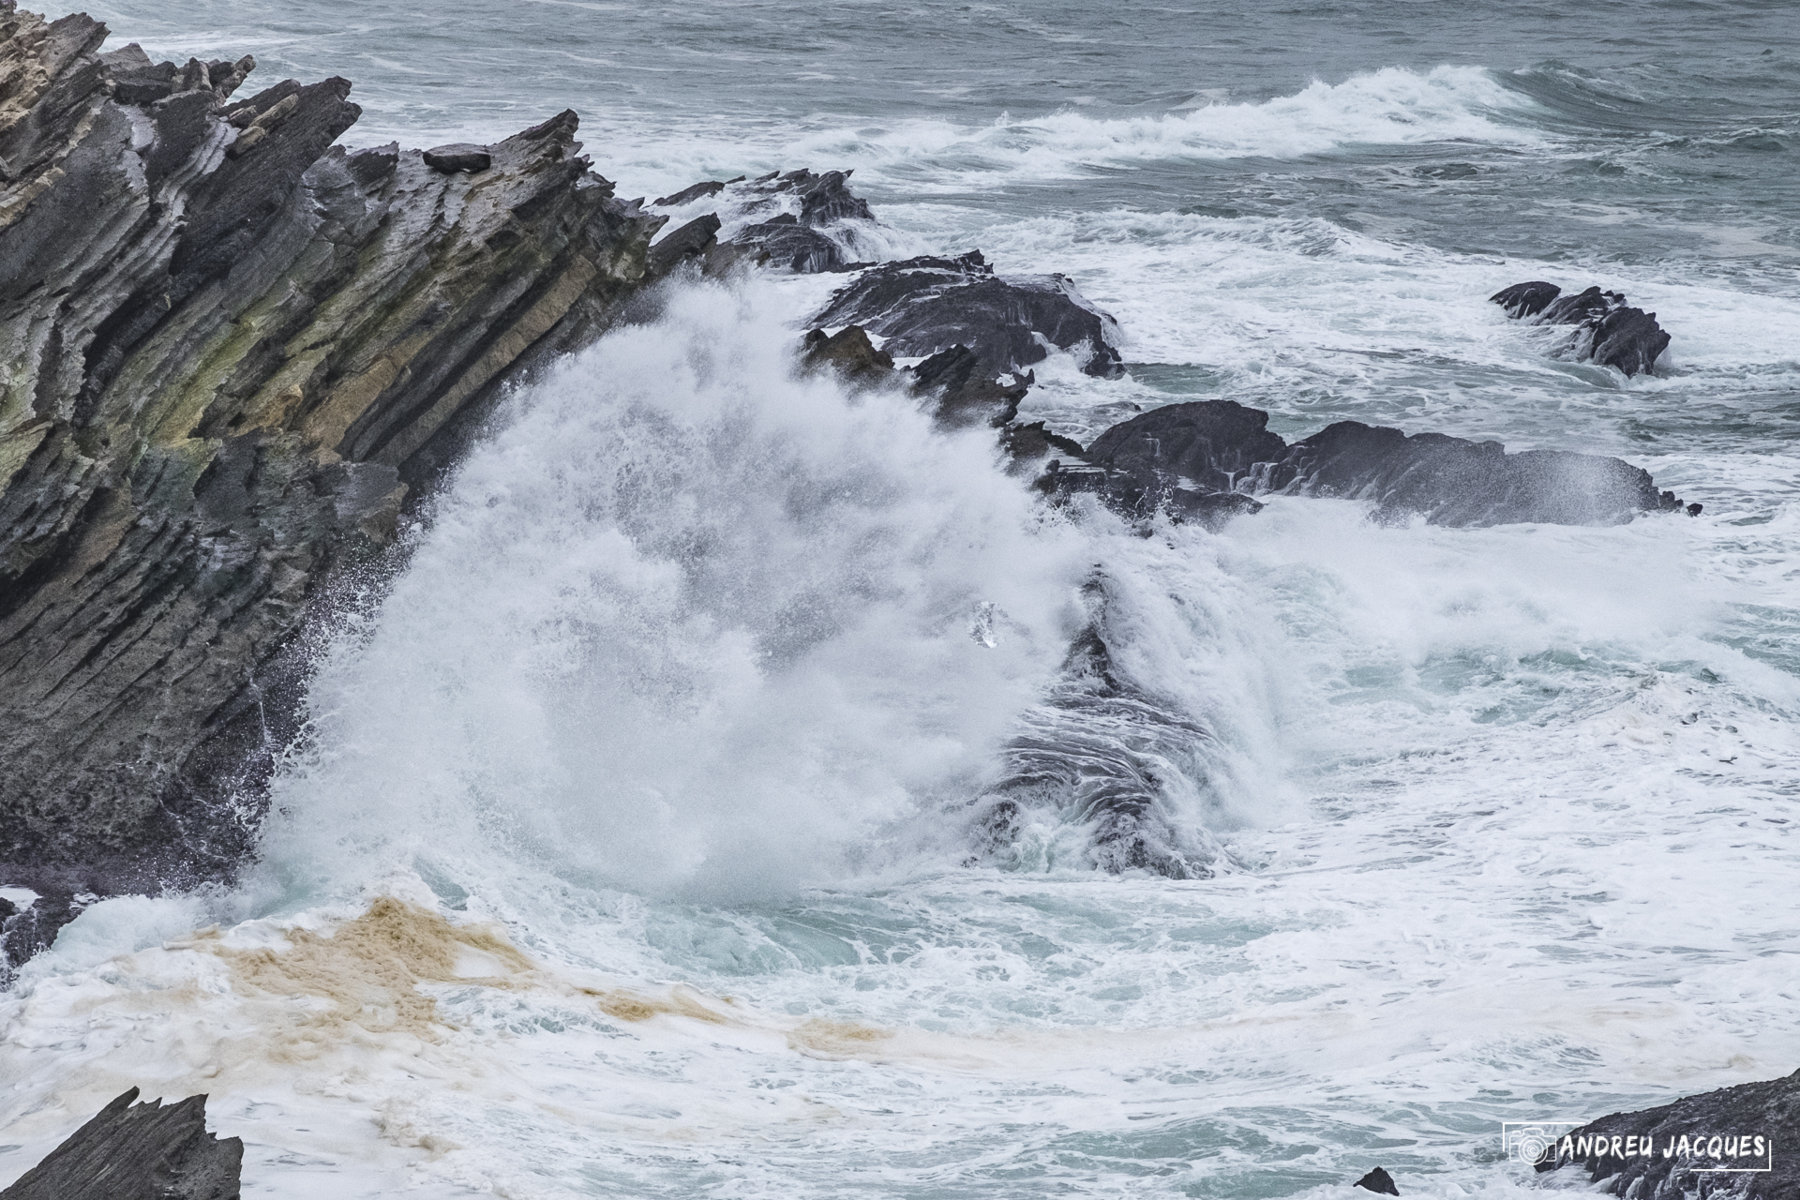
[(629, 852)]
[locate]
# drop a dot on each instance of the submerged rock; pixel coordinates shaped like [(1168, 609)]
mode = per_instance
[(1103, 752), (1673, 1146), (927, 305), (1217, 446), (232, 352), (1607, 331), (138, 1152)]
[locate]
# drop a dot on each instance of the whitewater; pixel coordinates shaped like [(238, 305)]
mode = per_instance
[(631, 848)]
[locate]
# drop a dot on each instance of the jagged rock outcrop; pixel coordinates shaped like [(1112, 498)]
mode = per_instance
[(1737, 1141), (230, 353), (926, 305), (1219, 448), (1604, 329), (795, 220), (143, 1151), (961, 395)]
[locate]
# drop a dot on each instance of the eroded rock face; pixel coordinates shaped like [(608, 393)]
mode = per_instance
[(1605, 330), (1217, 446), (1768, 1110), (138, 1152), (929, 304), (231, 353)]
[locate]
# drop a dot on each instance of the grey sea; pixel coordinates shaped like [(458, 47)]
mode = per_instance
[(1505, 819)]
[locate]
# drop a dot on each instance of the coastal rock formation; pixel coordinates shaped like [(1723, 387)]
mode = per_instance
[(1761, 1121), (1221, 448), (1605, 330), (138, 1152), (230, 354), (926, 305), (795, 220)]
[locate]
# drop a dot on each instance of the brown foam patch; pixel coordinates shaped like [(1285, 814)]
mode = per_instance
[(367, 971), (838, 1039), (623, 1004)]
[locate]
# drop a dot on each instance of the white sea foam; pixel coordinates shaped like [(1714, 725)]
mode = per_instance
[(1393, 106), (689, 620)]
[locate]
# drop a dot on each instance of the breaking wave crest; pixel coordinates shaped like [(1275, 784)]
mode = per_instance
[(689, 623)]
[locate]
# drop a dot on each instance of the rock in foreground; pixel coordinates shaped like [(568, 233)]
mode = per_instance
[(231, 352), (1761, 1121), (1606, 330), (138, 1152)]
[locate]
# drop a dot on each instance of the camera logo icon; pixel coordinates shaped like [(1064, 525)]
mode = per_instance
[(1534, 1142)]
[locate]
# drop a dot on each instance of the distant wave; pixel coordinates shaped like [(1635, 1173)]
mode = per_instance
[(1391, 106)]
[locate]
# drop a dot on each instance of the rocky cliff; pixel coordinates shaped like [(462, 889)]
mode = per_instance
[(231, 352)]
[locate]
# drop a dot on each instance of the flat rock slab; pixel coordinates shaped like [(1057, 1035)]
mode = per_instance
[(138, 1152), (459, 156)]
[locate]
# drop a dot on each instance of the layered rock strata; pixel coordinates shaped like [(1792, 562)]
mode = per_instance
[(231, 353)]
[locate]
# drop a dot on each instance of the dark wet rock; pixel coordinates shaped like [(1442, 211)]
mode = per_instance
[(849, 352), (1674, 1167), (230, 351), (1103, 751), (1378, 1181), (1035, 440), (1605, 330), (1219, 446), (31, 927), (795, 221), (691, 241), (968, 394), (1525, 299), (459, 156), (687, 195), (786, 243), (827, 199), (148, 1151), (1143, 497), (927, 305), (1215, 445), (1452, 481), (1629, 339)]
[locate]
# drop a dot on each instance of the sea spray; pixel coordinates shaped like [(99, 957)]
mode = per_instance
[(690, 623)]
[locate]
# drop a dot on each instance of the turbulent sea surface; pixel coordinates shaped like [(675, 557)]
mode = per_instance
[(629, 855)]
